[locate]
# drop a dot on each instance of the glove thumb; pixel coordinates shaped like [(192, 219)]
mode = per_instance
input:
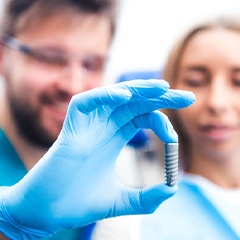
[(152, 197), (147, 200)]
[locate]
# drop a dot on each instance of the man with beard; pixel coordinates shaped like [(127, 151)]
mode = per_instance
[(50, 50)]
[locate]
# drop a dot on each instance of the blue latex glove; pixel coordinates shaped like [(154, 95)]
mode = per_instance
[(75, 183)]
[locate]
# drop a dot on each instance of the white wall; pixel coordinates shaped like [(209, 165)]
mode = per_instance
[(147, 29)]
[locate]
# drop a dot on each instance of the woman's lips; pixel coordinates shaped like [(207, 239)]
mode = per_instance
[(218, 132)]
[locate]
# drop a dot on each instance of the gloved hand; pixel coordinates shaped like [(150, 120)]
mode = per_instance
[(75, 183)]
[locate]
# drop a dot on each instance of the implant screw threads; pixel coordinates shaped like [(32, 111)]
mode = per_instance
[(171, 163)]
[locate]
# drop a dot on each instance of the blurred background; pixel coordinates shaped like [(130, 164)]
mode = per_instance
[(148, 28)]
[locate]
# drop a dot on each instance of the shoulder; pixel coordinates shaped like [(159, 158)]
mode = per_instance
[(175, 213), (187, 215), (12, 168)]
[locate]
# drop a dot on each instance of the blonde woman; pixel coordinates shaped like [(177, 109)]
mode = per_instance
[(207, 205)]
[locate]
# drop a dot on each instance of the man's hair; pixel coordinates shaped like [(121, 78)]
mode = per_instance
[(18, 14)]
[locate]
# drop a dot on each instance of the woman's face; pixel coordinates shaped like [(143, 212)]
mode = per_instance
[(210, 67)]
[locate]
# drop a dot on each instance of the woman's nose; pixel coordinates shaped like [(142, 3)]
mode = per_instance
[(219, 95)]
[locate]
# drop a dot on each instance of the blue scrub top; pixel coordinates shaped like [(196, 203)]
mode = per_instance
[(188, 215)]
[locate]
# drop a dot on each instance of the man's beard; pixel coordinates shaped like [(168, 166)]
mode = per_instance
[(28, 124)]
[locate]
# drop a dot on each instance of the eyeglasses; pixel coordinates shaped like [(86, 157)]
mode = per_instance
[(55, 62)]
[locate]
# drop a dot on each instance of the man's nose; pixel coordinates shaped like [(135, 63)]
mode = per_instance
[(74, 79)]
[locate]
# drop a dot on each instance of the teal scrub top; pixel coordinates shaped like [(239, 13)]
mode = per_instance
[(12, 171)]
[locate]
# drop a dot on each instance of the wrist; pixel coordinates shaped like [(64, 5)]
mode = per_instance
[(11, 230)]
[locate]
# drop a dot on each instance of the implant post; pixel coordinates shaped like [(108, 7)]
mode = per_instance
[(171, 163)]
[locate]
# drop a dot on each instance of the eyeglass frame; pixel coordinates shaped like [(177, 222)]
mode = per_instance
[(15, 44)]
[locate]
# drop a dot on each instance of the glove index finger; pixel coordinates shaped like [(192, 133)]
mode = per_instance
[(88, 101), (150, 88), (118, 94), (177, 99)]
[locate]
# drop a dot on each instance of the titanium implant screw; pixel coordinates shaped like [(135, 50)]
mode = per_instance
[(171, 163)]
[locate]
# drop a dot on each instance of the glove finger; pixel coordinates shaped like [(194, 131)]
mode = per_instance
[(157, 121), (150, 88), (146, 200), (176, 99), (151, 197), (118, 94), (90, 100), (173, 99)]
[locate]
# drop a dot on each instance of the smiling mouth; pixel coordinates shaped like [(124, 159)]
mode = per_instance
[(58, 103), (215, 128), (57, 111), (61, 107), (218, 132)]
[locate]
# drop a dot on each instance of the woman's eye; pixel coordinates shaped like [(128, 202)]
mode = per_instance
[(196, 77), (236, 82), (193, 82)]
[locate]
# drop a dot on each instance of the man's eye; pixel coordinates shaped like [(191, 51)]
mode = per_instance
[(50, 58), (93, 66)]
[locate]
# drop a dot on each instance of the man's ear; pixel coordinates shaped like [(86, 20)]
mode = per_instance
[(2, 60), (2, 237)]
